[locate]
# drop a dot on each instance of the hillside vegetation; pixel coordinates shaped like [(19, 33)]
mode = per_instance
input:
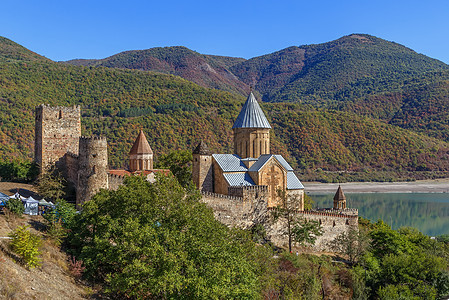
[(177, 114), (357, 73)]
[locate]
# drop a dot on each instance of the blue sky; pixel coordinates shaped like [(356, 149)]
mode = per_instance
[(62, 30)]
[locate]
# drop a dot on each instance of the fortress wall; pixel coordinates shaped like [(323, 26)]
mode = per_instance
[(71, 167), (114, 181), (332, 224), (57, 130), (235, 211)]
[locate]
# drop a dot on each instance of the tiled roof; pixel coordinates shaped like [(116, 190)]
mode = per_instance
[(261, 161), (264, 158), (145, 172), (339, 195), (141, 145), (283, 162), (293, 182), (251, 115), (238, 179), (230, 162)]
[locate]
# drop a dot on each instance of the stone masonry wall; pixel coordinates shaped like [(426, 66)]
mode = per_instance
[(114, 181), (236, 211), (332, 224), (202, 172), (57, 130), (93, 167)]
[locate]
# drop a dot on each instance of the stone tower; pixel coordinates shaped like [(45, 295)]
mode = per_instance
[(57, 131), (141, 155), (202, 172), (339, 199), (93, 168), (251, 130)]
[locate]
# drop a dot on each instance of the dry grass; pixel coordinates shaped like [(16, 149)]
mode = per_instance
[(50, 281)]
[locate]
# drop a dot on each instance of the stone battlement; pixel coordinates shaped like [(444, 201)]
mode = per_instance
[(95, 138), (326, 213), (221, 196)]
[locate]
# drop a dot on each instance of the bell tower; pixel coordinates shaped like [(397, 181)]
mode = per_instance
[(251, 130)]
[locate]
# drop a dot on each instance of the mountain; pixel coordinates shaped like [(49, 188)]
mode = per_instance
[(321, 71), (176, 114), (206, 70), (357, 73), (11, 51)]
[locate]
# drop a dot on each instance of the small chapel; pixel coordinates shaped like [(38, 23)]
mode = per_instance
[(251, 164)]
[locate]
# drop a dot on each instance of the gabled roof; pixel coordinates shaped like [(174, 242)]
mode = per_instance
[(230, 162), (201, 149), (293, 182), (141, 145), (238, 179), (251, 115), (264, 158), (339, 195)]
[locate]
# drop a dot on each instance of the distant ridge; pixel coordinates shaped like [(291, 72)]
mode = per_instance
[(332, 126)]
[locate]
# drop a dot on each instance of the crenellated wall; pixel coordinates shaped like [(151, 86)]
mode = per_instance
[(332, 223), (114, 181)]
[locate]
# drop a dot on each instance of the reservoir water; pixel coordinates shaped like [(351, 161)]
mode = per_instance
[(428, 212)]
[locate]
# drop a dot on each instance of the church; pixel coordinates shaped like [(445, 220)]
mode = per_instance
[(251, 164)]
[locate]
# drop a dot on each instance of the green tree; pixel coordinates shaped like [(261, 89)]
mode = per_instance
[(26, 246), (155, 241), (180, 164), (15, 206), (51, 184), (297, 229), (352, 243)]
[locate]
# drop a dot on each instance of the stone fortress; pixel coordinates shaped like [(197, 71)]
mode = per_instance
[(84, 160), (241, 188)]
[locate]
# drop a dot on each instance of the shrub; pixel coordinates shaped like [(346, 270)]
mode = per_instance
[(15, 206), (26, 246)]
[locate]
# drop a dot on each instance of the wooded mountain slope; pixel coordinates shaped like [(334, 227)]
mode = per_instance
[(177, 114)]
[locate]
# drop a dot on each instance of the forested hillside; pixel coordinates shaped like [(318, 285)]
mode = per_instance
[(357, 73), (177, 114)]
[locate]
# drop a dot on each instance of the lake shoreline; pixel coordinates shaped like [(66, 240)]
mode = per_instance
[(419, 186)]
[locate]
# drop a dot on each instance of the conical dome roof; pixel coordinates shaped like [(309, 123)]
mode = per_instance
[(251, 115), (141, 145), (339, 195), (202, 149)]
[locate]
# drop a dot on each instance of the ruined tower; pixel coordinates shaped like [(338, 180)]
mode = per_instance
[(339, 199), (202, 171), (141, 154), (57, 131), (251, 130), (93, 168)]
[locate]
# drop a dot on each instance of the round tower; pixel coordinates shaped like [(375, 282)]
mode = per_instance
[(92, 168), (202, 172), (251, 130)]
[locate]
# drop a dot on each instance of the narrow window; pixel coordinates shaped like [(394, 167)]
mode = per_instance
[(60, 114)]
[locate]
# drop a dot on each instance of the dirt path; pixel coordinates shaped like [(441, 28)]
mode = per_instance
[(419, 186)]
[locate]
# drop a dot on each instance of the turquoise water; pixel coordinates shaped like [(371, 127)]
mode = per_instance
[(429, 212)]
